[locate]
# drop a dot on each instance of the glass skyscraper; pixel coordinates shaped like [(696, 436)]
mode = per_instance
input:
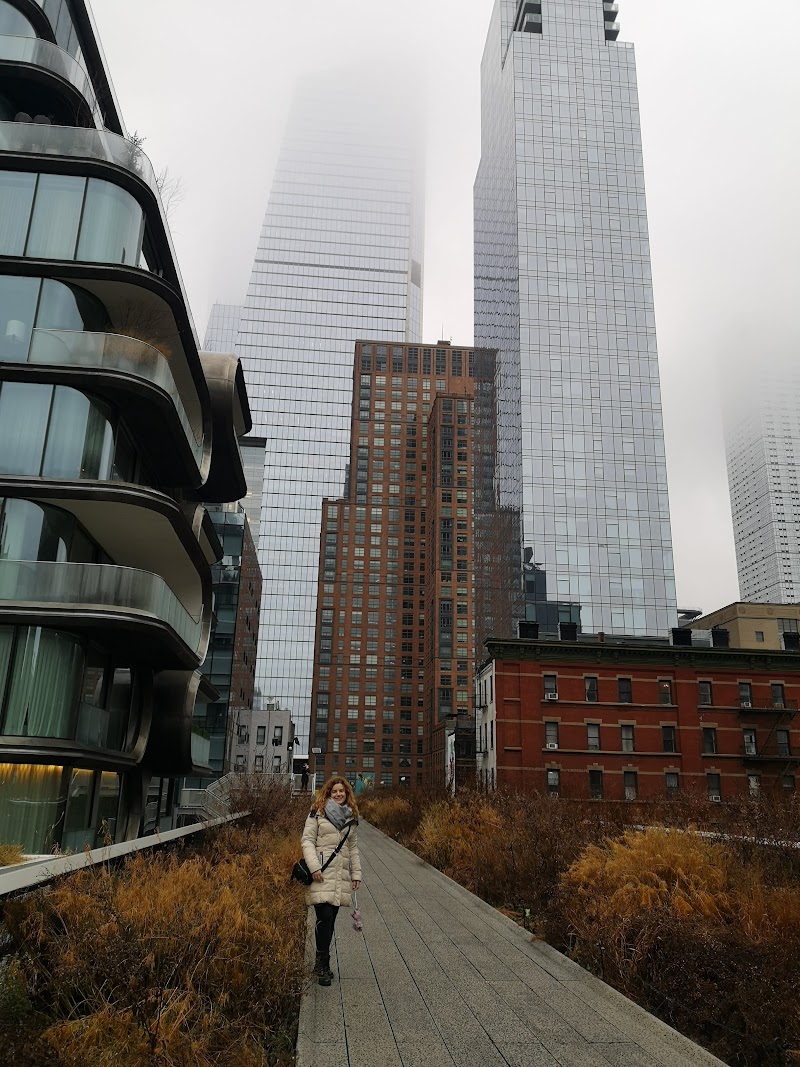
[(762, 439), (563, 292), (339, 259)]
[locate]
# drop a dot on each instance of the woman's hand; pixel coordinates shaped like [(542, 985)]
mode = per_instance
[(355, 885), (318, 876)]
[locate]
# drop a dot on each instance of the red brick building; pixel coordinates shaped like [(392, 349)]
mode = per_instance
[(395, 637), (630, 721)]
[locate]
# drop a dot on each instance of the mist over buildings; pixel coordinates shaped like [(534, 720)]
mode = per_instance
[(719, 93)]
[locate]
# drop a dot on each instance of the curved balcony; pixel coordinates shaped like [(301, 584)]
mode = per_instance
[(48, 57), (76, 142), (121, 354), (75, 587)]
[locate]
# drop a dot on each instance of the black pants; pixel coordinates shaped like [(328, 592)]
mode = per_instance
[(326, 920)]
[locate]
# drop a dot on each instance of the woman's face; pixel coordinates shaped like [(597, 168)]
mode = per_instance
[(338, 793)]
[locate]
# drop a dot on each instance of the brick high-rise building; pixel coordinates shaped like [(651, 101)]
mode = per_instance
[(395, 637)]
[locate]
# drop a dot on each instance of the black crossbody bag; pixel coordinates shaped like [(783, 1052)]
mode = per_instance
[(301, 873)]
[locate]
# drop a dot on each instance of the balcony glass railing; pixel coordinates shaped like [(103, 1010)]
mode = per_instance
[(201, 750), (77, 143), (96, 585), (50, 57), (108, 351)]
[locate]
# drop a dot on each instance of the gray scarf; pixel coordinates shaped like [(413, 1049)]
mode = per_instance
[(338, 814)]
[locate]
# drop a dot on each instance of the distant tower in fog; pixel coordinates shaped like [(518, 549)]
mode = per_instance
[(339, 258)]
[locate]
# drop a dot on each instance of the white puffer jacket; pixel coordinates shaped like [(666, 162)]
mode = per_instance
[(319, 840)]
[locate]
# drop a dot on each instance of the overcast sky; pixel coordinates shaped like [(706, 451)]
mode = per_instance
[(208, 85)]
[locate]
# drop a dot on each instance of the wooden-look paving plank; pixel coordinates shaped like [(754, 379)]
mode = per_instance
[(438, 978)]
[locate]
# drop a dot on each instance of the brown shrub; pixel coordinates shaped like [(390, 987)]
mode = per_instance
[(11, 854), (174, 960)]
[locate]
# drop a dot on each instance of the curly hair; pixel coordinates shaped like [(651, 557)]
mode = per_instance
[(324, 795)]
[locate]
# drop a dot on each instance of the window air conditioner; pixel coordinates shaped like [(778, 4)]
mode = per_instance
[(778, 704), (745, 704), (715, 797), (552, 744), (551, 696)]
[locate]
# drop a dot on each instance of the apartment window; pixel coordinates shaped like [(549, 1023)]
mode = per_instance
[(750, 748), (714, 786), (624, 691), (753, 785), (553, 782), (627, 738), (590, 685), (782, 742), (669, 739), (672, 782), (709, 740), (550, 685), (243, 734), (664, 691), (258, 763), (788, 783), (631, 784), (745, 695), (241, 763), (277, 735), (593, 735), (276, 764), (778, 695), (596, 785), (551, 734), (760, 636), (704, 694), (261, 735)]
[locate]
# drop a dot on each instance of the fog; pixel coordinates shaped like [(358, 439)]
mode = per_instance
[(209, 86)]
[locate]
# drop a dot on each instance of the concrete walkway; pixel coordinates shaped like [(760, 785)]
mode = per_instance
[(440, 979)]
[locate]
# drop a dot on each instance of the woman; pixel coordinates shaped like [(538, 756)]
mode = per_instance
[(333, 821)]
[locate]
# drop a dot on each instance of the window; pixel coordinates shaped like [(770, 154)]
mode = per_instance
[(553, 782), (760, 636), (627, 738), (276, 765), (709, 740), (593, 735), (631, 785), (788, 782), (664, 691), (672, 782), (241, 763), (243, 738), (745, 695), (590, 685), (596, 784), (753, 785), (714, 786), (550, 685), (277, 735), (778, 695), (551, 734), (669, 739), (750, 748), (261, 735), (624, 691), (704, 694), (782, 742), (258, 763)]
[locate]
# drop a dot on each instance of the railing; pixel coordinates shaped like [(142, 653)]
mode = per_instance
[(28, 876), (115, 352), (50, 57), (87, 585), (768, 705), (201, 750)]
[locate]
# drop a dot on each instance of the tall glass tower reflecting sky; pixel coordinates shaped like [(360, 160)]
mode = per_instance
[(563, 291), (339, 259), (762, 440)]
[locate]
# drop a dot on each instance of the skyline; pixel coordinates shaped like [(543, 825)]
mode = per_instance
[(720, 273)]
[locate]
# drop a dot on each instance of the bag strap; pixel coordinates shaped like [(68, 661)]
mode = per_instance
[(338, 848)]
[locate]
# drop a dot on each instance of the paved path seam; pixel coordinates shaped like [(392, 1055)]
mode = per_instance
[(439, 978)]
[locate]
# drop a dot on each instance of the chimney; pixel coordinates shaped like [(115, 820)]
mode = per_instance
[(720, 638), (528, 631), (601, 637), (681, 637), (568, 631)]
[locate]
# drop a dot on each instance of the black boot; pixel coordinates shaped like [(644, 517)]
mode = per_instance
[(322, 970)]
